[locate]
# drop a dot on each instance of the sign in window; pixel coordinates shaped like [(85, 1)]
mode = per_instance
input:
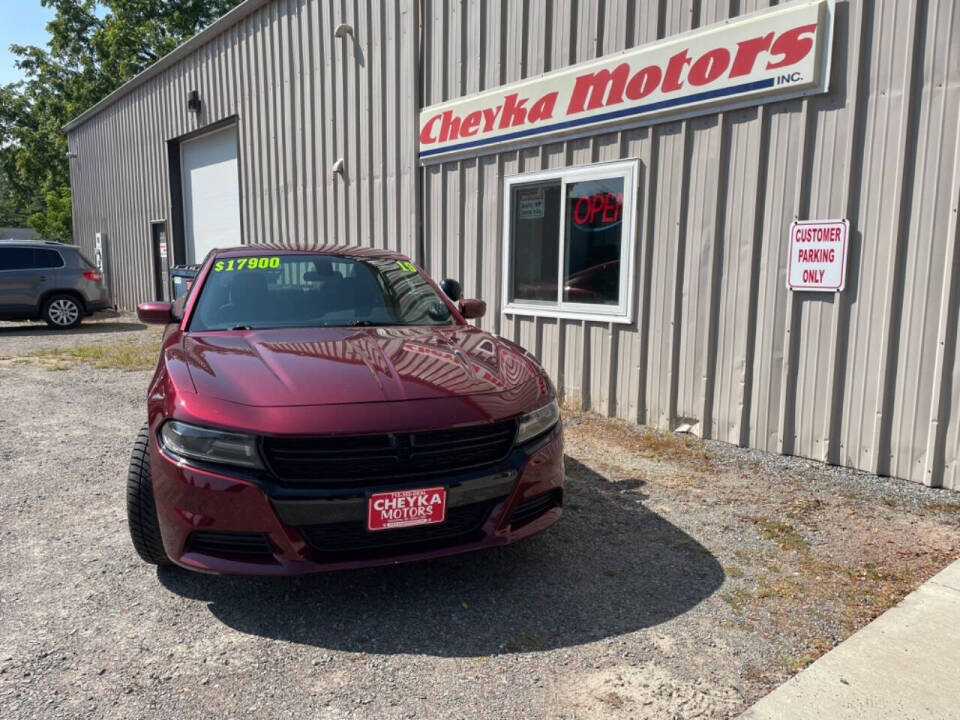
[(594, 236), (570, 242)]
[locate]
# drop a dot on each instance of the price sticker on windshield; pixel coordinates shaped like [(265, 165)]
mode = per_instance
[(406, 266), (244, 263)]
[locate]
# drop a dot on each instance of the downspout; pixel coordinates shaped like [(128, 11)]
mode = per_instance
[(418, 58)]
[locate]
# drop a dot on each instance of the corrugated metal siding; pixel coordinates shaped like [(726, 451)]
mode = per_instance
[(302, 99), (867, 378)]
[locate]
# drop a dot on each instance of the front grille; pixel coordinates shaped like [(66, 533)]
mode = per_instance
[(332, 460), (352, 541), (532, 508), (229, 543)]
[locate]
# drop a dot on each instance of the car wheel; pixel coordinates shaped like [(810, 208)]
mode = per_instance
[(62, 312), (141, 508)]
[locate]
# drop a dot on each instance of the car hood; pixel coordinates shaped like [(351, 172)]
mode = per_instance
[(333, 366)]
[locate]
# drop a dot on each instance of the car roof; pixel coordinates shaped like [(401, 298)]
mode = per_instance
[(12, 242), (336, 250)]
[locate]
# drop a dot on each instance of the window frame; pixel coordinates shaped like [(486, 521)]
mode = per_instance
[(35, 254), (622, 312)]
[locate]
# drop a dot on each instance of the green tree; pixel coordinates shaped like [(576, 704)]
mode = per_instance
[(94, 48), (10, 214)]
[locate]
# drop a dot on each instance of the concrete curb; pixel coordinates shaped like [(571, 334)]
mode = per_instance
[(903, 665)]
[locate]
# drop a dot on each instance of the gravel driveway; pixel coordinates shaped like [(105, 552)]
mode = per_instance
[(686, 579)]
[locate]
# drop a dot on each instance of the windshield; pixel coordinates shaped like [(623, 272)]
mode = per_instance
[(271, 291)]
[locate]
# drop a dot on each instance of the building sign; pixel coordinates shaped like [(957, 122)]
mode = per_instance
[(769, 55), (818, 255)]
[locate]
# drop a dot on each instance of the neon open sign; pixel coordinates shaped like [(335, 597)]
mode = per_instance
[(598, 211)]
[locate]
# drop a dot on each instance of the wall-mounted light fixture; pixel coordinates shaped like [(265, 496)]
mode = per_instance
[(337, 168), (193, 101), (71, 155), (343, 29)]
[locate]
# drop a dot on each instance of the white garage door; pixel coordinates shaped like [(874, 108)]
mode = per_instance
[(211, 193)]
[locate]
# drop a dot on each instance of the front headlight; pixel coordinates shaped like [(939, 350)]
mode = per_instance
[(538, 422), (217, 446)]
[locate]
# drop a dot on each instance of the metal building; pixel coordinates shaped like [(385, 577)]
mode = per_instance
[(684, 317)]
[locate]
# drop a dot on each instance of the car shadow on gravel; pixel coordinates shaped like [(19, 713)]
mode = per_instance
[(609, 567)]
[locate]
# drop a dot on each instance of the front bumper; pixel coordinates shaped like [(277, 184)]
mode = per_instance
[(312, 530)]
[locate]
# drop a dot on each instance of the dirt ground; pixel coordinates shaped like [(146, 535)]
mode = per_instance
[(686, 579)]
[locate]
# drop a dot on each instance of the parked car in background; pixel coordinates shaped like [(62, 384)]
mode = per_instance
[(49, 281), (332, 408)]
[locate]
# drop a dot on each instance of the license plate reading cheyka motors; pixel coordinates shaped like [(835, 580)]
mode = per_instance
[(406, 508)]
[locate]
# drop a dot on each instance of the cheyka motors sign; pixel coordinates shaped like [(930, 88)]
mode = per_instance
[(769, 55)]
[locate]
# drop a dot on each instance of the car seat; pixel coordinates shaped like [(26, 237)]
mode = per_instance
[(249, 296)]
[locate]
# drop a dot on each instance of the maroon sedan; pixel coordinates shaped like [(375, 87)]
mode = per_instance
[(332, 408)]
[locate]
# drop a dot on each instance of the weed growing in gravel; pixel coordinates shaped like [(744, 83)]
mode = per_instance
[(795, 665), (667, 447), (946, 508), (784, 534), (738, 600), (671, 447), (612, 699)]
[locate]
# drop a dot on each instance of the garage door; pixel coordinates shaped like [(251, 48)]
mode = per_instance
[(211, 193)]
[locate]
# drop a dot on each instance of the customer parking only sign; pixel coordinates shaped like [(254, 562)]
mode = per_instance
[(818, 255)]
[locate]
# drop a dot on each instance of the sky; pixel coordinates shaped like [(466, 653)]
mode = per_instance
[(22, 22)]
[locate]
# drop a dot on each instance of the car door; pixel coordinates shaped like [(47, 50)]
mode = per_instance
[(50, 272), (15, 281), (22, 282)]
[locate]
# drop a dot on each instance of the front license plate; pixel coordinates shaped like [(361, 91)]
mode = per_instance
[(406, 508)]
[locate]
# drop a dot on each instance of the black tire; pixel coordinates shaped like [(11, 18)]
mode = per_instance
[(62, 312), (141, 508)]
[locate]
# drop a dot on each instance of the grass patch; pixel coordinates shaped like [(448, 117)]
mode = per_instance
[(787, 587), (795, 665), (612, 699), (733, 571), (873, 574), (946, 508), (815, 648), (125, 356), (667, 447), (784, 534), (671, 447), (738, 600)]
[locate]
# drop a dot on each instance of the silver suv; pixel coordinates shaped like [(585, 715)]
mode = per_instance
[(49, 281)]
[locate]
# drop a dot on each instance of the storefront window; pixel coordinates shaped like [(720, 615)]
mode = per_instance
[(570, 243), (594, 234), (536, 241)]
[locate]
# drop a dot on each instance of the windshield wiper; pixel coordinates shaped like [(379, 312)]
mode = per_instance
[(370, 323), (241, 327)]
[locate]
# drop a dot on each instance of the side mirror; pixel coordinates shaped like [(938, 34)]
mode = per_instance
[(155, 313), (473, 308), (451, 289)]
